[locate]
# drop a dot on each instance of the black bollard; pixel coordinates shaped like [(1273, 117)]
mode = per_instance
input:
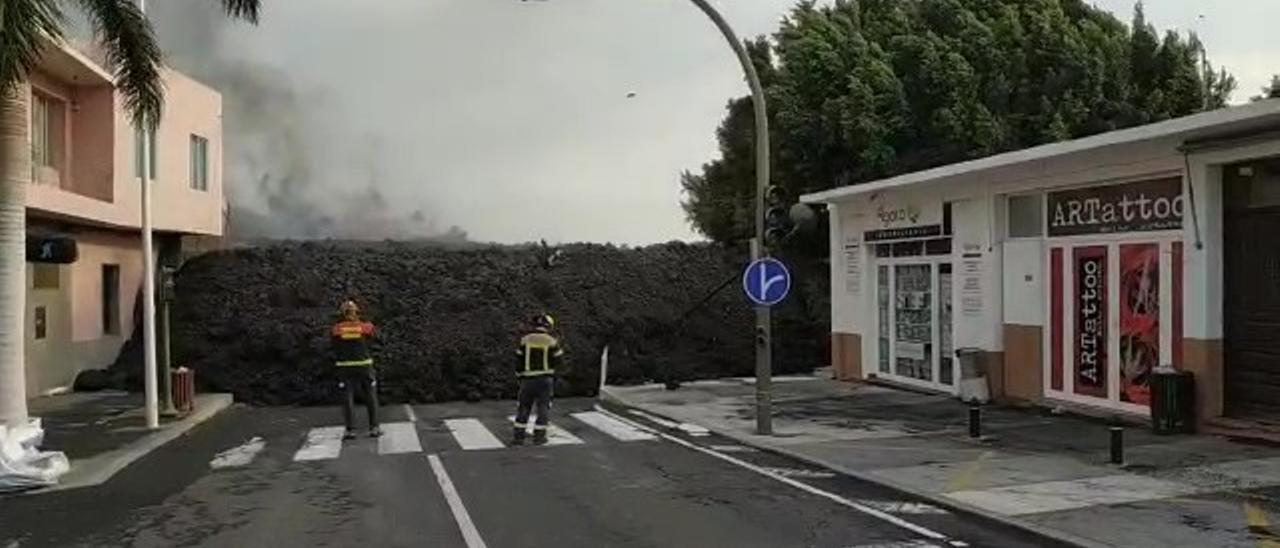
[(975, 419), (1117, 444)]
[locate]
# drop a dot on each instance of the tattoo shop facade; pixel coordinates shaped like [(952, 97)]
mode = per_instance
[(1075, 268)]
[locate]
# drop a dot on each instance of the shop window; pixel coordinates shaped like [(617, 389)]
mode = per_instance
[(946, 218), (946, 363), (940, 246), (41, 323), (1253, 185), (908, 249), (110, 299), (1026, 216), (45, 276), (886, 321)]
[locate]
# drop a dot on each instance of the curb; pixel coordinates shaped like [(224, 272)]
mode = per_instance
[(1033, 528), (98, 469)]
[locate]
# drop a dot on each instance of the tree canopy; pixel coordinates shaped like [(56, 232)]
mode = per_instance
[(866, 89), (1271, 91)]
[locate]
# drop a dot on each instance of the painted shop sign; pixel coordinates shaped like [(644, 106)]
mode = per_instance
[(1132, 207), (1091, 321), (898, 218)]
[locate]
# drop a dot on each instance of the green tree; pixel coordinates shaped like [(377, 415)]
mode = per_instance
[(27, 28), (873, 88), (1271, 91)]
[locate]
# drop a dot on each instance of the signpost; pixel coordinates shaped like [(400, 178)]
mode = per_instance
[(766, 281)]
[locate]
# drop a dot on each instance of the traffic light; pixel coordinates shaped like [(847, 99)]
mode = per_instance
[(777, 218)]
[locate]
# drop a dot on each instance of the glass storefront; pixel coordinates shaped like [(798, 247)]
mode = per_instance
[(913, 309)]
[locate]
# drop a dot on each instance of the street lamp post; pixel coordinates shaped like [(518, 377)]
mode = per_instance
[(759, 249)]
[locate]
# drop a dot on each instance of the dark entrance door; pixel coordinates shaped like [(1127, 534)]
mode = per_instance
[(1251, 307)]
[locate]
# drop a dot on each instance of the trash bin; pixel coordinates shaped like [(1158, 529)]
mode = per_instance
[(1172, 401), (184, 389), (973, 376)]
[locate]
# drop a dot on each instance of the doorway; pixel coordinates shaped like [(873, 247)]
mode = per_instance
[(1251, 276), (914, 308)]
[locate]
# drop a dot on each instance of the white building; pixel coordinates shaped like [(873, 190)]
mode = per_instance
[(1076, 268)]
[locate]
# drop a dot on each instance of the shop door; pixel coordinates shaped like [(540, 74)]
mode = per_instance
[(1115, 315), (1252, 286), (915, 334)]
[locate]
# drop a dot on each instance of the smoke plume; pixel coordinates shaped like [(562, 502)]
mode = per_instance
[(293, 166)]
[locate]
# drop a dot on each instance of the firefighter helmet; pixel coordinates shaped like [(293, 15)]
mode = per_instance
[(544, 322)]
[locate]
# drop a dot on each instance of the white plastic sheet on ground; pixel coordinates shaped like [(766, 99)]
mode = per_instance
[(23, 465)]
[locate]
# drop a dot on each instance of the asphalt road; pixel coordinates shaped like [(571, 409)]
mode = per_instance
[(242, 480)]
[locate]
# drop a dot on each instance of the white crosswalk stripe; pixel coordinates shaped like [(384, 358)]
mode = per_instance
[(399, 437), (322, 444), (613, 427), (555, 434), (471, 434), (239, 455)]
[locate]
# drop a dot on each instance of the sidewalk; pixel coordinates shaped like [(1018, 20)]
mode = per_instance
[(103, 432), (1035, 470)]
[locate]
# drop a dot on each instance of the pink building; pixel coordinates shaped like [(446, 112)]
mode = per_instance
[(85, 187)]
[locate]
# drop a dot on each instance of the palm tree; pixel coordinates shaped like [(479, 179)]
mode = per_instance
[(26, 28)]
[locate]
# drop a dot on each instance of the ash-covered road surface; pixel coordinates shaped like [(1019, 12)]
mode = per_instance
[(445, 475)]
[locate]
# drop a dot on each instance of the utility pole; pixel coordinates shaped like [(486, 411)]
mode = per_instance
[(759, 248), (148, 276)]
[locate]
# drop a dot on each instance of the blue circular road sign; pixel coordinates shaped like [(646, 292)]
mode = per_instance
[(766, 281)]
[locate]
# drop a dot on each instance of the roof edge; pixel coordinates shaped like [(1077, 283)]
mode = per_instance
[(1149, 132)]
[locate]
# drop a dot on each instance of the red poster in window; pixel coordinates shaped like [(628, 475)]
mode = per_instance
[(1091, 320), (1139, 320)]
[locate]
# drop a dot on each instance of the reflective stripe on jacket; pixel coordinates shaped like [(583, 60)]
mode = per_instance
[(350, 342), (539, 354)]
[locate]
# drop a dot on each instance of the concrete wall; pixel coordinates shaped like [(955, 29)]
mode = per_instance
[(75, 337)]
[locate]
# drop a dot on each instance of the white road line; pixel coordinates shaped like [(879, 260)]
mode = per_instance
[(322, 443), (240, 455), (555, 434), (472, 435), (654, 419), (901, 544), (878, 514), (469, 533), (408, 412), (399, 437), (616, 429), (735, 449), (694, 430)]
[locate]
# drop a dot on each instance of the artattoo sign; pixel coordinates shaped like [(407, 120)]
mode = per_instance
[(1133, 207)]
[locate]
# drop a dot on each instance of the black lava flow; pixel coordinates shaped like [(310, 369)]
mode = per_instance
[(254, 321)]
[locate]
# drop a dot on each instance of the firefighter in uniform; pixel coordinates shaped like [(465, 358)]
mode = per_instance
[(539, 354), (350, 339)]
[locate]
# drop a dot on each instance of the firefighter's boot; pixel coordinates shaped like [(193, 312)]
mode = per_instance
[(517, 436), (540, 436)]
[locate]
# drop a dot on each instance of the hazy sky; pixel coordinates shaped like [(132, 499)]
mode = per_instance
[(510, 118)]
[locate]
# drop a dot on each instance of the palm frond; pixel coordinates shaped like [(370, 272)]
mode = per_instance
[(23, 26), (133, 53), (243, 9)]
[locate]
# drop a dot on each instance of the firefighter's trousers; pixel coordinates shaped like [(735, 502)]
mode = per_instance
[(535, 395), (364, 380)]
